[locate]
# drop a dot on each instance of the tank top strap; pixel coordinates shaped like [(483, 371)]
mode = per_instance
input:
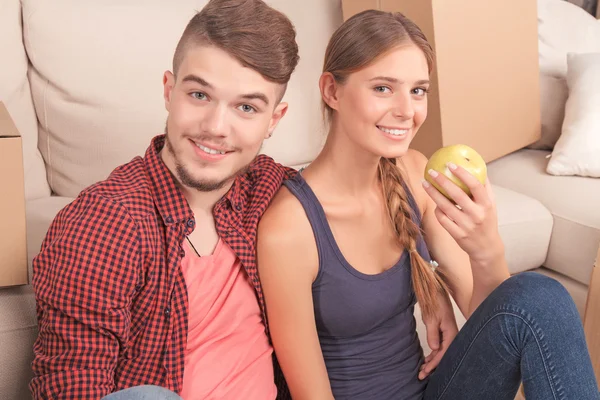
[(314, 212)]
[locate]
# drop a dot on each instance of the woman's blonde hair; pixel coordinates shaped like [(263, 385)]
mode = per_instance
[(358, 42)]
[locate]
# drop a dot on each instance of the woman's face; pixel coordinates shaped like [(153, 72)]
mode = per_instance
[(381, 107)]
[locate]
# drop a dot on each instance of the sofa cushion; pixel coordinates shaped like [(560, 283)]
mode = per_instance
[(18, 331), (573, 201), (525, 226), (301, 134), (96, 79), (564, 28), (15, 94), (98, 91)]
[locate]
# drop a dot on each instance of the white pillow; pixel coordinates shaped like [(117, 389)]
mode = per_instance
[(577, 151), (564, 28)]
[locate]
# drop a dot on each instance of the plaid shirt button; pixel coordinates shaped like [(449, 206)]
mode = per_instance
[(191, 223), (169, 220), (167, 311)]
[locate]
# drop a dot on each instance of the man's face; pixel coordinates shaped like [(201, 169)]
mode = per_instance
[(219, 114)]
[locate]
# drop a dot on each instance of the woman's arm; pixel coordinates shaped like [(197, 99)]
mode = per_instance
[(466, 242), (288, 264)]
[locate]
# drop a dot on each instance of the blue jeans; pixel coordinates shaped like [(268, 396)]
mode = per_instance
[(527, 329), (146, 392)]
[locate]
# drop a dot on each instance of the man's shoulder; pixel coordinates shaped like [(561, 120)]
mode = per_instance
[(266, 177), (128, 187), (265, 167)]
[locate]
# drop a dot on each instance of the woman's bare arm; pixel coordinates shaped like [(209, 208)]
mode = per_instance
[(288, 265), (465, 241)]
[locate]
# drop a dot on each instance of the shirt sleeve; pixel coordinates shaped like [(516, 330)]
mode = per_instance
[(84, 281)]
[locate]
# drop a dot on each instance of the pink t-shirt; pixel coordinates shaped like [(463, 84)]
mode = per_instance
[(228, 355)]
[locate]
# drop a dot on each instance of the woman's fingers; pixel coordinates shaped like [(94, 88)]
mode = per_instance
[(476, 188), (448, 208)]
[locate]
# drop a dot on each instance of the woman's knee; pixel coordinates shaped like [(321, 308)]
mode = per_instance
[(534, 291)]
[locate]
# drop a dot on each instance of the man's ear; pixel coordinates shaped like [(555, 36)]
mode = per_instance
[(278, 113), (329, 90), (168, 84)]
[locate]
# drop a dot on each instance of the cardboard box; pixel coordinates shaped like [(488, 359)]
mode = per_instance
[(13, 239), (485, 83), (592, 317)]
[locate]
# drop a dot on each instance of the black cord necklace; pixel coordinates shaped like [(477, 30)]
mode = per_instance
[(195, 251)]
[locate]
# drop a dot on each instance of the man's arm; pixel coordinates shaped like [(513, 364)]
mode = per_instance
[(84, 279)]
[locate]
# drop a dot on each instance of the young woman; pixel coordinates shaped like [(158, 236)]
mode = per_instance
[(344, 253)]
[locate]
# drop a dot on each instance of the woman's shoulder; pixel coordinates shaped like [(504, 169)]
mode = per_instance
[(413, 165), (284, 221), (285, 240)]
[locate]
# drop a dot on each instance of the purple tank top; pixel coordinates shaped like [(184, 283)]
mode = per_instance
[(365, 323)]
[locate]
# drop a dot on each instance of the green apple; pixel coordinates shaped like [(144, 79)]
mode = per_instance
[(461, 155)]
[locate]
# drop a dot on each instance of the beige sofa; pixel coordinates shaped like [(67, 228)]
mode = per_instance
[(82, 80)]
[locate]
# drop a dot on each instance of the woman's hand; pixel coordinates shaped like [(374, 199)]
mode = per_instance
[(441, 330), (471, 222)]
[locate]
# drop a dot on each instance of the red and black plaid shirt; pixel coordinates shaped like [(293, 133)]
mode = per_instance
[(111, 298)]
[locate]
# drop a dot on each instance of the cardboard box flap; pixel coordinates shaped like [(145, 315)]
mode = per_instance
[(7, 125)]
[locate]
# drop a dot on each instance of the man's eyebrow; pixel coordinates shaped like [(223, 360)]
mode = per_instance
[(256, 95), (197, 79), (394, 80)]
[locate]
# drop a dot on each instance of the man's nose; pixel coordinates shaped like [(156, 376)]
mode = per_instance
[(215, 121)]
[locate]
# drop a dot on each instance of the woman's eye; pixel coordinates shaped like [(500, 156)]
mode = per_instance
[(247, 108), (420, 91), (198, 95), (382, 89)]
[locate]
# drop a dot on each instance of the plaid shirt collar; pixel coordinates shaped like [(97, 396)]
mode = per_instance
[(170, 201)]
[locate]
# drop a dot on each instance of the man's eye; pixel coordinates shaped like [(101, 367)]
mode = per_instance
[(247, 108), (198, 95)]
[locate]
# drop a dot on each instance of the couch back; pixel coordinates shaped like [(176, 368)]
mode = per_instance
[(83, 81)]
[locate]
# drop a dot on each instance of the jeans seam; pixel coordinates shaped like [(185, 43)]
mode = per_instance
[(546, 368)]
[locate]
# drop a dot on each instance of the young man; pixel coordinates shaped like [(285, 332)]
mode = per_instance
[(149, 277)]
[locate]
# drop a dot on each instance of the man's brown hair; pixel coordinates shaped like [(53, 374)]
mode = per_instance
[(258, 36)]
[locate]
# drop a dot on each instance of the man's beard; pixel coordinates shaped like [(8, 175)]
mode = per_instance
[(186, 178)]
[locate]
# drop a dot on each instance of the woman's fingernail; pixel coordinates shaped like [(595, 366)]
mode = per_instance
[(432, 173), (425, 183), (451, 165)]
